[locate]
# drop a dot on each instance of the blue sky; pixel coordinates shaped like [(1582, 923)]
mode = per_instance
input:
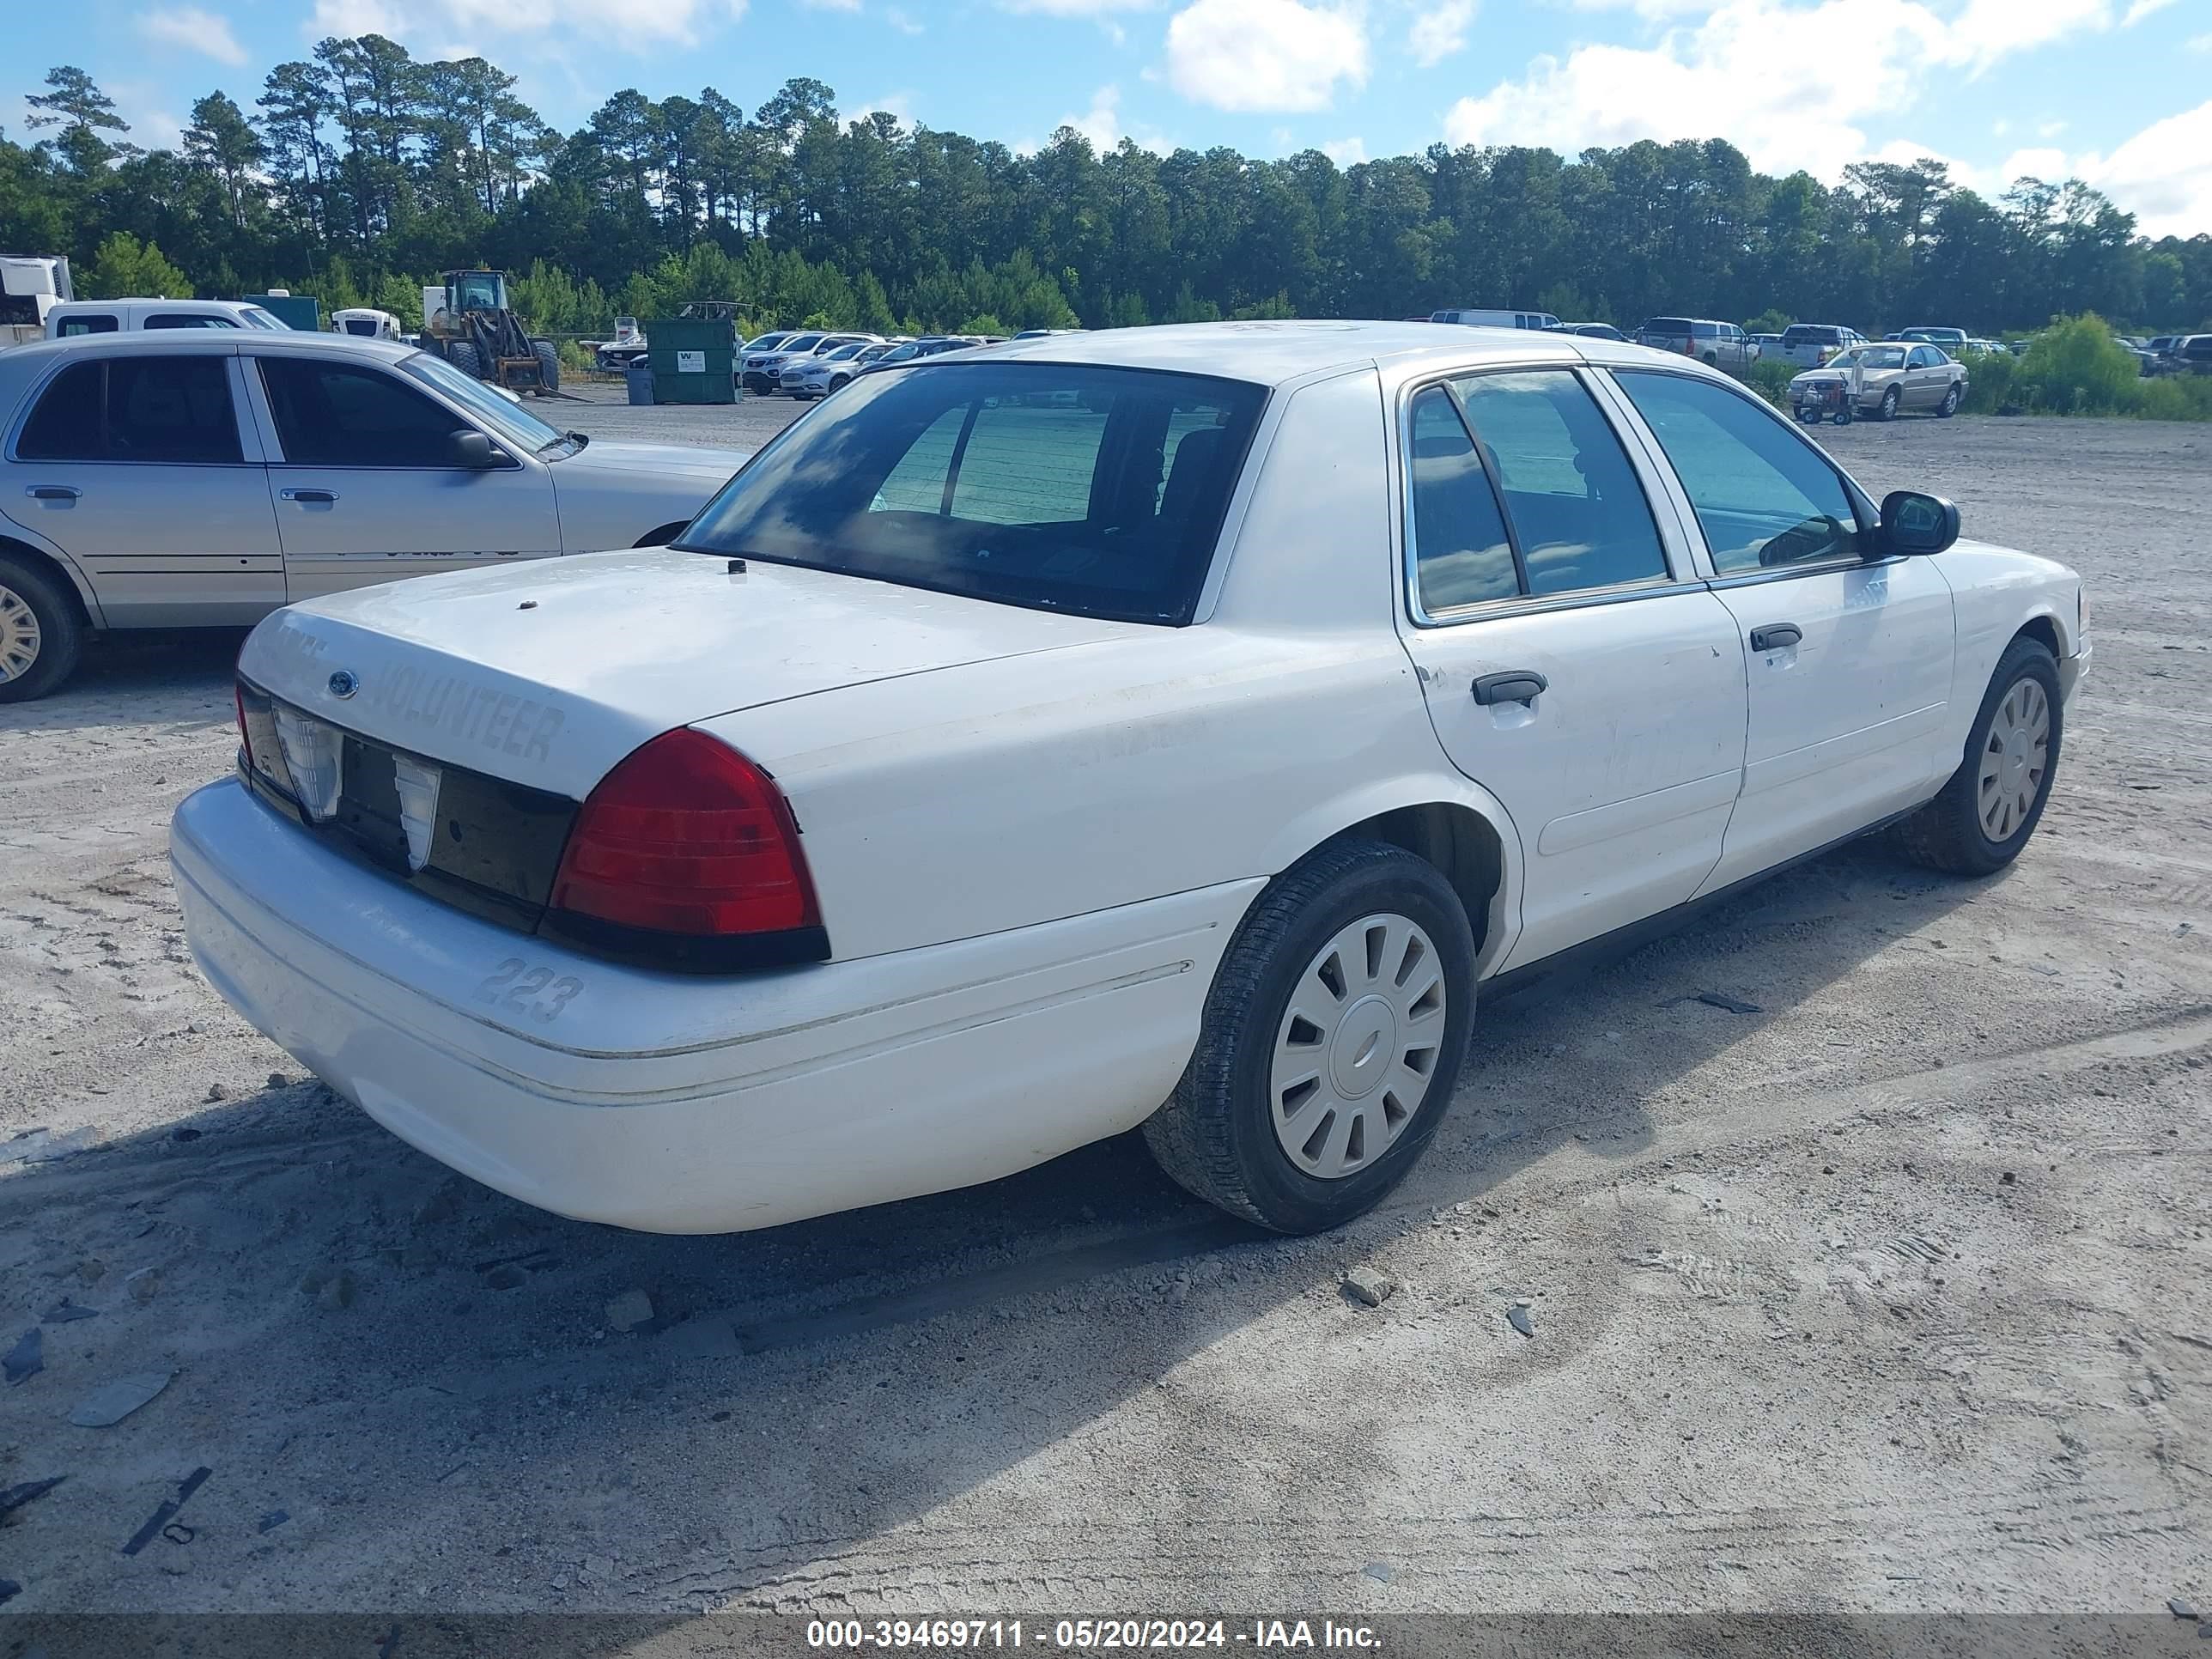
[(2118, 92)]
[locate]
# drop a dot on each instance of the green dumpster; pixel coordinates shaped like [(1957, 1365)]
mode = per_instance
[(695, 359)]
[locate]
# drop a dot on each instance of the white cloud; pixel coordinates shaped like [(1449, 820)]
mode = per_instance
[(1346, 152), (2142, 9), (1440, 31), (1076, 8), (2163, 175), (195, 30), (636, 25), (901, 20), (1716, 76), (1102, 122), (2201, 42), (831, 5), (2050, 129), (1265, 54), (898, 104)]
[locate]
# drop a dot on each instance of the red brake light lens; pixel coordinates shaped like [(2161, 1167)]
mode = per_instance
[(687, 836)]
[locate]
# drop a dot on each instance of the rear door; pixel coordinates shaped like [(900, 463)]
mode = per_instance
[(141, 469), (1572, 667), (1850, 660), (364, 492)]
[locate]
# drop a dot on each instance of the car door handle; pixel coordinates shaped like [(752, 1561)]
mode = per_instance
[(325, 496), (1775, 635), (52, 492), (1521, 685)]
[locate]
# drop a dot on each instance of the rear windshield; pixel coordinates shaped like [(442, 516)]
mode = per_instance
[(1061, 487), (1667, 326), (1810, 334)]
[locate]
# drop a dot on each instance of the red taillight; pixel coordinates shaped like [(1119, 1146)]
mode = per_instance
[(686, 835)]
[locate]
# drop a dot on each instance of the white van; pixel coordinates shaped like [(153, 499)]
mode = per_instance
[(79, 316), (365, 323), (1497, 318)]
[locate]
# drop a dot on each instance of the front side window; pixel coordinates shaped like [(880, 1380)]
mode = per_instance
[(1763, 495), (1064, 487), (336, 415)]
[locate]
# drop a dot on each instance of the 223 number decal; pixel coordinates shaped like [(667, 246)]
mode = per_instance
[(516, 988)]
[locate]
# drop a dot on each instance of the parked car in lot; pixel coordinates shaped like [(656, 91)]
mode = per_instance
[(1716, 345), (1809, 345), (76, 317), (1881, 381), (201, 478), (818, 376), (1473, 319), (1762, 344), (2193, 355), (762, 372), (787, 919), (930, 345), (1590, 331), (1951, 339)]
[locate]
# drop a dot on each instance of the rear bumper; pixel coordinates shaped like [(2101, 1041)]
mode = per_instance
[(686, 1105)]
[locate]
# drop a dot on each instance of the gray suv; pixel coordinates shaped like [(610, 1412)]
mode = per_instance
[(1718, 344)]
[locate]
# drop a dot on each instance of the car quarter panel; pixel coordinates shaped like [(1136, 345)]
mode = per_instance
[(1161, 761), (608, 502)]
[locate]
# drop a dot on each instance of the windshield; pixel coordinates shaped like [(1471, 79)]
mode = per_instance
[(766, 343), (257, 318), (1808, 334), (510, 420), (842, 353), (899, 354), (1062, 487), (1869, 357), (801, 343)]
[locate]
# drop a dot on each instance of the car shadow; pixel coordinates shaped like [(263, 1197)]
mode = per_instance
[(388, 1352), (149, 676)]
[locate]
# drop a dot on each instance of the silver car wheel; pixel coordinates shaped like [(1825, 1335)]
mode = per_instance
[(19, 635), (2015, 760), (1357, 1046)]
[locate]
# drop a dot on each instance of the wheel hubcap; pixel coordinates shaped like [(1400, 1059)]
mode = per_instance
[(19, 635), (2015, 760), (1358, 1047)]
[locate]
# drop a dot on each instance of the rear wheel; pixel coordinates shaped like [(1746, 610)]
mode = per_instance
[(549, 363), (1888, 410), (1993, 802), (41, 635), (1332, 1037), (463, 356)]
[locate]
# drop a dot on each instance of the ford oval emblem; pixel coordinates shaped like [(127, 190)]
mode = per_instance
[(343, 684)]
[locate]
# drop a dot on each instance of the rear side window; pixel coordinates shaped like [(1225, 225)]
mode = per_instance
[(334, 415), (154, 410), (91, 323), (1063, 486), (66, 425), (1764, 496), (194, 320), (170, 409), (1462, 555)]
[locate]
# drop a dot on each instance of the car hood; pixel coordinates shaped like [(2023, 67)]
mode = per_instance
[(600, 457), (548, 673)]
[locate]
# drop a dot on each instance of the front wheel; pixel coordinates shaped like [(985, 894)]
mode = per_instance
[(1949, 406), (549, 363), (464, 356), (1888, 410), (1993, 802), (1332, 1039)]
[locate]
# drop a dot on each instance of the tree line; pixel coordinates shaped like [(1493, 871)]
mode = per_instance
[(359, 171)]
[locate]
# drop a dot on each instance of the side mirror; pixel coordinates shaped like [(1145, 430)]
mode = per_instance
[(473, 451), (1912, 522)]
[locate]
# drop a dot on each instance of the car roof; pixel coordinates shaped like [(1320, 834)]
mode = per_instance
[(1277, 353), (138, 343)]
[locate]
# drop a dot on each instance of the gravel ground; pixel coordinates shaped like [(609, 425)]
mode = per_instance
[(1893, 1295)]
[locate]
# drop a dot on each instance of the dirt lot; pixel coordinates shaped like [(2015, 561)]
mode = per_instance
[(1894, 1294)]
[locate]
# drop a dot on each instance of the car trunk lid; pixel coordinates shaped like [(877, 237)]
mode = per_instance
[(546, 674)]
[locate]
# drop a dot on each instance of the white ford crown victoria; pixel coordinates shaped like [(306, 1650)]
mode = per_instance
[(1171, 727)]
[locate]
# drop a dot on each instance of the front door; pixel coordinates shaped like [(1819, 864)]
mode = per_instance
[(1567, 670), (140, 469), (1850, 660), (364, 490)]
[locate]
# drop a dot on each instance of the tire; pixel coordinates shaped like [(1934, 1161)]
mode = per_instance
[(1844, 413), (41, 632), (463, 356), (1711, 360), (549, 363), (1949, 406), (1217, 1135), (1888, 410), (1951, 833), (836, 381)]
